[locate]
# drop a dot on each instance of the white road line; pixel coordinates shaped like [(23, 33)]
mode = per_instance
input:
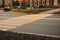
[(40, 34), (3, 29), (52, 18), (7, 27), (19, 21)]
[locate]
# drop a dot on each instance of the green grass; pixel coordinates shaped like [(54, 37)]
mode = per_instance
[(21, 10), (35, 10)]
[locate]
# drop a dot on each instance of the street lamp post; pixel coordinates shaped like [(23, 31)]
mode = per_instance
[(38, 3), (11, 3), (31, 5)]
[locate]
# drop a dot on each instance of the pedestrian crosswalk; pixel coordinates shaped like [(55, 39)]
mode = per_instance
[(12, 21), (21, 20)]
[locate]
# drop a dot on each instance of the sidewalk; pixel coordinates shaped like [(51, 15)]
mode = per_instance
[(22, 20)]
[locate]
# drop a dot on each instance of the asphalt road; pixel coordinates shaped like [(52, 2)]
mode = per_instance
[(7, 15), (48, 26)]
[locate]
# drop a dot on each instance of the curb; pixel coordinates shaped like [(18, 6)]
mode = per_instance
[(18, 12)]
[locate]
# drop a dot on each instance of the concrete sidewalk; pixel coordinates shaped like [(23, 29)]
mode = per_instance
[(22, 20)]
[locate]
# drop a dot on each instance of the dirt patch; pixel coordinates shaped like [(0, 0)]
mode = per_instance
[(6, 35)]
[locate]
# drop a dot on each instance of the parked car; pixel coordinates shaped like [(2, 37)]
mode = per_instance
[(7, 8)]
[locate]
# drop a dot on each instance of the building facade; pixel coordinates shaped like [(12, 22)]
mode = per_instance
[(35, 3), (47, 2)]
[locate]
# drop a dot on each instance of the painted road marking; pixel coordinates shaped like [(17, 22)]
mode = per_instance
[(52, 18), (19, 21), (39, 34)]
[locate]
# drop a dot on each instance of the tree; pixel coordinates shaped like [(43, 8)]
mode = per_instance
[(16, 3)]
